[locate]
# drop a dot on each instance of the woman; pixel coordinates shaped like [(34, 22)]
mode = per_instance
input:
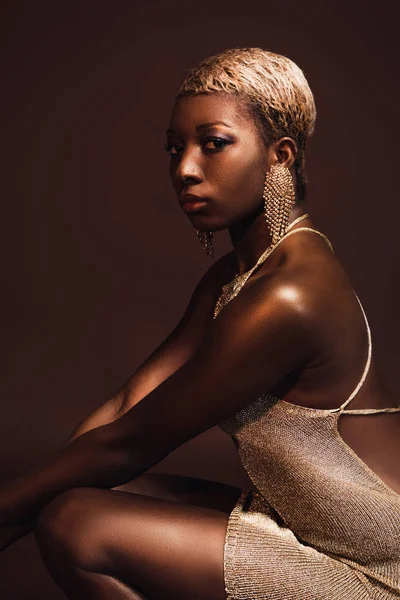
[(273, 347)]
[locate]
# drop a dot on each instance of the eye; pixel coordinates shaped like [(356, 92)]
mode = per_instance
[(219, 143), (169, 147)]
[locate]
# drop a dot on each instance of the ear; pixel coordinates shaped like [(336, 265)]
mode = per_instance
[(286, 151)]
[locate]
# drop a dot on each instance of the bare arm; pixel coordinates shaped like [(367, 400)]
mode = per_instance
[(259, 338), (167, 358)]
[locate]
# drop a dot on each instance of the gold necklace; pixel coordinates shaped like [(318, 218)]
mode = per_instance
[(231, 289), (262, 255)]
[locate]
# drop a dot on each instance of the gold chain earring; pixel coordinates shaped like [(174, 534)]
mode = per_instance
[(206, 239), (279, 196)]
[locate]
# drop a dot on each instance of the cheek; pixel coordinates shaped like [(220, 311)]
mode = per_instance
[(242, 181)]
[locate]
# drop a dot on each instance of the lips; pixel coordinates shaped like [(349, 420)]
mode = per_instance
[(185, 198), (191, 203)]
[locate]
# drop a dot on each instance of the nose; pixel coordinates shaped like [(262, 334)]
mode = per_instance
[(188, 169)]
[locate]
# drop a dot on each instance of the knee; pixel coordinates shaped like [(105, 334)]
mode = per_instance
[(62, 526)]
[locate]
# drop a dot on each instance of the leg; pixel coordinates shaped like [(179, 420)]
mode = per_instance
[(103, 544), (184, 489)]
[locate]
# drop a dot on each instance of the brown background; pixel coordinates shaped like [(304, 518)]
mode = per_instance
[(97, 259)]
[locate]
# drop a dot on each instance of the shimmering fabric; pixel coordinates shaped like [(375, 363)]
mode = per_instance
[(322, 525)]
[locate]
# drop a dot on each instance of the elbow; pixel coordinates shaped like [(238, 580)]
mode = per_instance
[(127, 456)]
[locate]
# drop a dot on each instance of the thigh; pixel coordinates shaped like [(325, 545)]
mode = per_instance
[(167, 550), (184, 489)]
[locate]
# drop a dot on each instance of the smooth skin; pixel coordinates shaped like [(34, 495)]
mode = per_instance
[(295, 329)]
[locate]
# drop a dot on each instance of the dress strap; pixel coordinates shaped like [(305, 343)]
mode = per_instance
[(307, 229), (370, 411), (364, 411)]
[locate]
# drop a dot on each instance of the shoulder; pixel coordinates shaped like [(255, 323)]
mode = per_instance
[(293, 298), (294, 291), (270, 319), (304, 276)]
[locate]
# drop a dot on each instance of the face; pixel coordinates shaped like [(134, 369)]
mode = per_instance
[(216, 154)]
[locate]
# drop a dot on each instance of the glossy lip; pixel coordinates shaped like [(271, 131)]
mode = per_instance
[(186, 198), (190, 207)]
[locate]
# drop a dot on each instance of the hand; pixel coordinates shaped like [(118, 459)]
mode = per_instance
[(11, 533)]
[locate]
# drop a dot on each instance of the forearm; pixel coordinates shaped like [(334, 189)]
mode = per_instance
[(92, 460), (27, 487), (98, 452), (106, 413), (137, 387)]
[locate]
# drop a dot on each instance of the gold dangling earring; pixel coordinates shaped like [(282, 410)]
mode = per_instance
[(205, 238), (279, 197)]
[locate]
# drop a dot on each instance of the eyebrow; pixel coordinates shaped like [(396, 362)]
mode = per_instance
[(205, 126)]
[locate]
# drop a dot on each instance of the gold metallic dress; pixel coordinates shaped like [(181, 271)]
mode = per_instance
[(322, 525)]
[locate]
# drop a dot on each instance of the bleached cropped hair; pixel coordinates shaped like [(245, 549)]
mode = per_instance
[(275, 92)]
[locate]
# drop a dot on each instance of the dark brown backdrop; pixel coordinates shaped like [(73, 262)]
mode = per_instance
[(98, 261)]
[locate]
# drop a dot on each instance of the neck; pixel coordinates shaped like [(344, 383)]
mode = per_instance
[(250, 238)]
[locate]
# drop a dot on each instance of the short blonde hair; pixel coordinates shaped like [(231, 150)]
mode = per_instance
[(274, 88)]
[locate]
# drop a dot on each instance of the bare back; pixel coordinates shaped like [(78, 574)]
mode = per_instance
[(333, 372)]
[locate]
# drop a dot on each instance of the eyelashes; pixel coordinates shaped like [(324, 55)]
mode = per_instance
[(168, 148), (220, 144)]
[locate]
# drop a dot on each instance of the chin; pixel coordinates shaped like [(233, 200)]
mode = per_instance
[(202, 225)]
